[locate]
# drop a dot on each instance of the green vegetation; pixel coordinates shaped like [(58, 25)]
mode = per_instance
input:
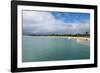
[(86, 34)]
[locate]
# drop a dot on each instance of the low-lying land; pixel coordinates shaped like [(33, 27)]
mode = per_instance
[(69, 36)]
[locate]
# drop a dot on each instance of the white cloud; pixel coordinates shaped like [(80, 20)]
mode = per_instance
[(45, 22)]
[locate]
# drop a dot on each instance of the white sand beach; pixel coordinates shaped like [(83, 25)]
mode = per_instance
[(70, 37)]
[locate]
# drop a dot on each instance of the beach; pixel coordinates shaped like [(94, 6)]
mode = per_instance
[(71, 37)]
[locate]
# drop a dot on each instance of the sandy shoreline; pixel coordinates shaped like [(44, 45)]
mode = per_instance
[(77, 38)]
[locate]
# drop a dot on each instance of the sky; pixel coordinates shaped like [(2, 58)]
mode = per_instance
[(42, 22)]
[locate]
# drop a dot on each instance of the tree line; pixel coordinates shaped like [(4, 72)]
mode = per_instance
[(78, 35)]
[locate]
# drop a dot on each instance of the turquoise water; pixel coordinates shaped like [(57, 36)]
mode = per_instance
[(43, 48)]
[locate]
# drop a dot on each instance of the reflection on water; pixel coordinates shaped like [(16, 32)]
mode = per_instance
[(43, 48)]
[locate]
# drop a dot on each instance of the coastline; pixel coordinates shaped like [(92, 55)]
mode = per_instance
[(71, 37), (82, 38)]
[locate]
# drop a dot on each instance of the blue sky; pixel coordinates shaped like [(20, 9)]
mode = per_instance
[(38, 22), (71, 17)]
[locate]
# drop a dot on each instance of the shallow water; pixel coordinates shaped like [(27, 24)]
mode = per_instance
[(43, 48)]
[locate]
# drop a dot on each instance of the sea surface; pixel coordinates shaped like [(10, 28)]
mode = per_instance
[(44, 48)]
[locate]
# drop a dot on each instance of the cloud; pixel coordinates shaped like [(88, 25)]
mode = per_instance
[(35, 22)]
